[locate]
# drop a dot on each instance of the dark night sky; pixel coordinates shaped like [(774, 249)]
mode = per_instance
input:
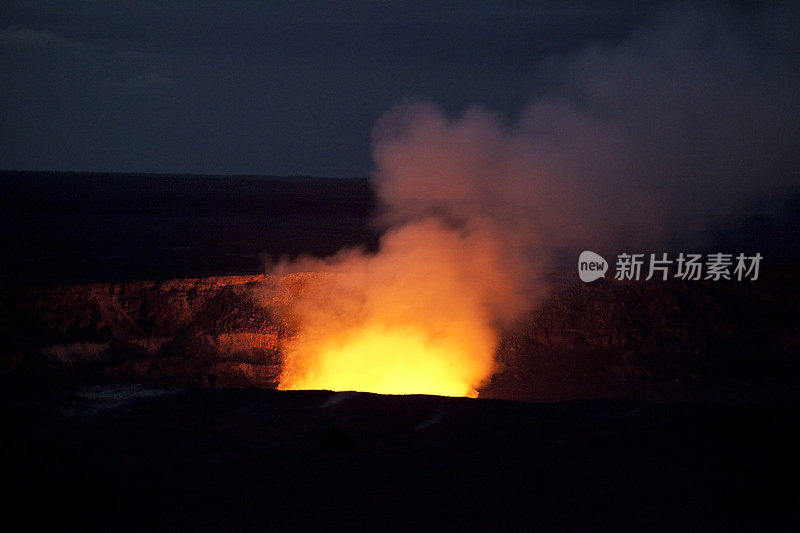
[(278, 87), (263, 87)]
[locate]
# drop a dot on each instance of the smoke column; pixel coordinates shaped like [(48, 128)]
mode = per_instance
[(633, 144)]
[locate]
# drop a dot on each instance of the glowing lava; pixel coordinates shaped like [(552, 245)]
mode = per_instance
[(387, 360), (415, 318)]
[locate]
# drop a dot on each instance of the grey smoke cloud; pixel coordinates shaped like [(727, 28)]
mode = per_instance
[(655, 137), (632, 144)]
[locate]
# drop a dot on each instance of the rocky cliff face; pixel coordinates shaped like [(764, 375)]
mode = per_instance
[(204, 331), (611, 338), (603, 338)]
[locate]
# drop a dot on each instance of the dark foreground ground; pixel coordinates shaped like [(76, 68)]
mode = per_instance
[(126, 457)]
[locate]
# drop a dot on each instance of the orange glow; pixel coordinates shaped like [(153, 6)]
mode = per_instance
[(393, 360), (415, 318)]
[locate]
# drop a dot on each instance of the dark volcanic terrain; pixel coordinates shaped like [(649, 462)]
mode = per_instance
[(128, 458), (131, 404), (60, 228), (118, 405)]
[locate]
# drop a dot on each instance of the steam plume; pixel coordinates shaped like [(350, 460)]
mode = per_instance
[(633, 143)]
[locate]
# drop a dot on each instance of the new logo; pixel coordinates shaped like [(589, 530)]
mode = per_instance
[(591, 266)]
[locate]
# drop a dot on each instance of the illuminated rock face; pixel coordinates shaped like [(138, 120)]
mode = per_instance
[(588, 339), (206, 332)]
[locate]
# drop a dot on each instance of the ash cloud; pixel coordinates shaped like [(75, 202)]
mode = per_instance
[(651, 140), (645, 142)]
